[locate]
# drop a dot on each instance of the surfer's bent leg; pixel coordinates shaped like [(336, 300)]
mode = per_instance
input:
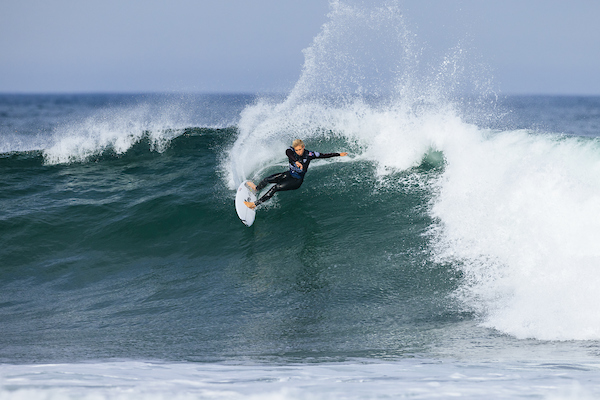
[(283, 181), (275, 178)]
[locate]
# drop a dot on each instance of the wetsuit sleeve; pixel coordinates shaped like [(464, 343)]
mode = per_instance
[(326, 155)]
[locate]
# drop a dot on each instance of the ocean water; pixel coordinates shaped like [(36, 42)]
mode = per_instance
[(453, 253)]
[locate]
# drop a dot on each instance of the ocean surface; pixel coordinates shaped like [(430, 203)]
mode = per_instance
[(454, 253)]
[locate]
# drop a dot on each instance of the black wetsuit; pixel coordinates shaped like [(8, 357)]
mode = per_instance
[(293, 178)]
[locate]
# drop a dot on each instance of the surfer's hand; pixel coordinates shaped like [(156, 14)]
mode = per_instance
[(298, 164), (343, 154)]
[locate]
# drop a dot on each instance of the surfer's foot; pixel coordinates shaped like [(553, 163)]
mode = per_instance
[(251, 185), (250, 205)]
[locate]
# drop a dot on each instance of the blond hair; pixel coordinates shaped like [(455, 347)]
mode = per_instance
[(298, 142)]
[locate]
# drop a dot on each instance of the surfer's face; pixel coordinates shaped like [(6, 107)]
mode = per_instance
[(299, 150)]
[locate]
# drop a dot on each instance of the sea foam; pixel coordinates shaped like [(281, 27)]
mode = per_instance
[(519, 213), (360, 379)]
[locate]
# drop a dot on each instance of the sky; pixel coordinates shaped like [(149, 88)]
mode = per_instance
[(242, 46)]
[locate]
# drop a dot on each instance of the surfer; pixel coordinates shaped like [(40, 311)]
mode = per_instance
[(291, 179)]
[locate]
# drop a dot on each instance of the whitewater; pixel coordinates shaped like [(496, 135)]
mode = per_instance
[(452, 254)]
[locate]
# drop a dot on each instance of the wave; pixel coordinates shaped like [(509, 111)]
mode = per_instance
[(116, 130), (513, 210), (69, 129)]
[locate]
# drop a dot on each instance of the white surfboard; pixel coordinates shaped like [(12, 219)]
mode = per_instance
[(245, 213)]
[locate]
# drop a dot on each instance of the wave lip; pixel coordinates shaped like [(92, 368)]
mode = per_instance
[(116, 130)]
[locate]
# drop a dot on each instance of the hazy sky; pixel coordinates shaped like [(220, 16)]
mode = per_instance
[(531, 46)]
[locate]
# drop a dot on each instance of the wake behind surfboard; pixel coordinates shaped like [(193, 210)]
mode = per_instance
[(246, 214)]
